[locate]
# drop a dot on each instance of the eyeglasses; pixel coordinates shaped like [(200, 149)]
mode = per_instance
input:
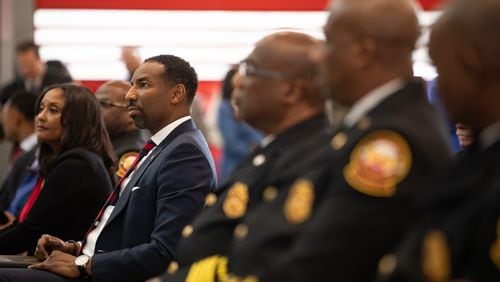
[(108, 104), (246, 68)]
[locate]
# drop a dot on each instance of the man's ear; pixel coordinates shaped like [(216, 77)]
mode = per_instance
[(294, 90), (178, 94)]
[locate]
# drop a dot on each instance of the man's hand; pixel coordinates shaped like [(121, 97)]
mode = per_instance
[(46, 244), (59, 263)]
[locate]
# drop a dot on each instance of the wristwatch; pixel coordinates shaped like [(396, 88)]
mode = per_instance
[(81, 264)]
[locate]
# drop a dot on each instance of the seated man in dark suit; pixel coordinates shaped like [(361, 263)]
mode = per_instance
[(18, 123), (275, 93), (127, 139), (135, 235)]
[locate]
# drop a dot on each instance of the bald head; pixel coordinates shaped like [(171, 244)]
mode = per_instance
[(289, 53), (392, 24), (111, 96), (275, 88)]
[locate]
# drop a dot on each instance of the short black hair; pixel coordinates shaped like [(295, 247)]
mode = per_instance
[(178, 71), (28, 46), (24, 102)]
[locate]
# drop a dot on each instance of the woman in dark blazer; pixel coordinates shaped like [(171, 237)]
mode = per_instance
[(76, 168)]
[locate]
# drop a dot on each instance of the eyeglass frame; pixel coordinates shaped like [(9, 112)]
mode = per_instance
[(105, 103), (246, 65)]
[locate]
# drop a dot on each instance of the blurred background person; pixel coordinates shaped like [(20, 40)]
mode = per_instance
[(18, 116), (126, 138), (131, 59), (76, 173), (238, 137), (33, 74), (464, 134)]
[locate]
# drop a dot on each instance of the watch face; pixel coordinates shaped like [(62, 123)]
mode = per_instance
[(81, 260)]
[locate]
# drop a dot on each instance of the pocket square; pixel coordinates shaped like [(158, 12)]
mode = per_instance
[(135, 188)]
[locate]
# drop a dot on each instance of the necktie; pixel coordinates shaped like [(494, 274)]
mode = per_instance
[(113, 197)]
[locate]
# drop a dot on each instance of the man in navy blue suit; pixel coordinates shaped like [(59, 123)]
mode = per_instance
[(135, 235)]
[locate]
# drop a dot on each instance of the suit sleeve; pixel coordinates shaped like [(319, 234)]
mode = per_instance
[(183, 180)]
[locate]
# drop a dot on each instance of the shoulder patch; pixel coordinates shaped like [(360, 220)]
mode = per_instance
[(235, 204), (378, 163), (436, 261), (299, 202), (125, 162)]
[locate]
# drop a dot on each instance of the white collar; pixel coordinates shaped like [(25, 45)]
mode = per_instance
[(164, 132), (28, 143), (371, 100), (489, 135)]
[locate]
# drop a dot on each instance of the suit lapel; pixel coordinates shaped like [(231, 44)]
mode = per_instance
[(124, 197)]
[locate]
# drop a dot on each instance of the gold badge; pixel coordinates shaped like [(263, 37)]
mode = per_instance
[(125, 162), (235, 204), (378, 163), (299, 202), (495, 248), (436, 264), (338, 141)]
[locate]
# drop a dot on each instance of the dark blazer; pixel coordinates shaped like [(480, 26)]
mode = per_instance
[(462, 223), (363, 212), (16, 177), (162, 196), (76, 186), (277, 165)]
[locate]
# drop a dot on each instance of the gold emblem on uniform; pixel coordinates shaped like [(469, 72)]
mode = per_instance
[(187, 231), (270, 193), (338, 141), (235, 204), (495, 248), (210, 199), (125, 162), (173, 267), (299, 203), (378, 163), (240, 231), (436, 264)]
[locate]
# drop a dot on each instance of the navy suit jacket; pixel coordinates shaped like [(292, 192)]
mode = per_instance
[(163, 195)]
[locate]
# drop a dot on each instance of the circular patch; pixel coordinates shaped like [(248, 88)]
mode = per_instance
[(378, 163), (235, 204), (125, 162), (299, 202)]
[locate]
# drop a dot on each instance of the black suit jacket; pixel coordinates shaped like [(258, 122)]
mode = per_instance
[(277, 165), (76, 186), (462, 223), (162, 196), (355, 223)]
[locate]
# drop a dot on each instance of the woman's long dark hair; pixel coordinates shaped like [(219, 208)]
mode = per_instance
[(82, 127)]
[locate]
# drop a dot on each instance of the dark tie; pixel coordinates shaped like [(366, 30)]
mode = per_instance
[(113, 197)]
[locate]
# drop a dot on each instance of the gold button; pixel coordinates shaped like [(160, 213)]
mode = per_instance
[(259, 160), (173, 267), (270, 193), (187, 231), (339, 141), (387, 264), (250, 278), (240, 231), (210, 199)]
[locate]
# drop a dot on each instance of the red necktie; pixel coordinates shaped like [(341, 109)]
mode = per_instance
[(113, 197)]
